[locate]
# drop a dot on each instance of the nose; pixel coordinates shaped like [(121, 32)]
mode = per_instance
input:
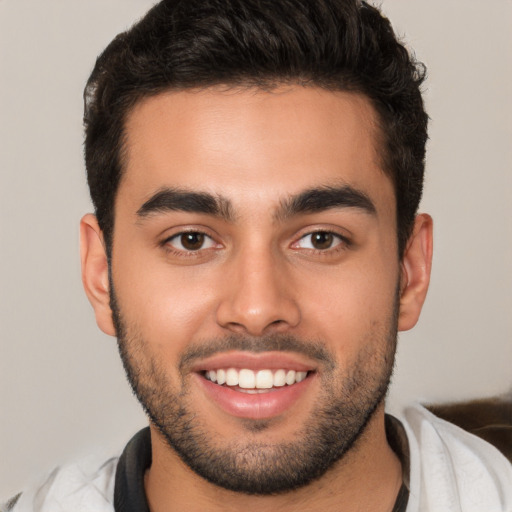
[(257, 297)]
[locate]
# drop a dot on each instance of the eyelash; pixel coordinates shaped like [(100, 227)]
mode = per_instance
[(343, 243), (183, 252)]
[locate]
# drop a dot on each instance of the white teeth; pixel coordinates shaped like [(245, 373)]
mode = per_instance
[(300, 376), (290, 377), (221, 377), (279, 378), (248, 379), (231, 377), (264, 379)]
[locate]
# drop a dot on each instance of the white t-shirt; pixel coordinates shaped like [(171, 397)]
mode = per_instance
[(450, 471)]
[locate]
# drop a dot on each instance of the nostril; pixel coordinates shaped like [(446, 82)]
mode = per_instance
[(277, 325)]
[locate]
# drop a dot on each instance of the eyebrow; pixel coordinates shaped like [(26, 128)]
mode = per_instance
[(309, 201), (174, 199), (326, 198)]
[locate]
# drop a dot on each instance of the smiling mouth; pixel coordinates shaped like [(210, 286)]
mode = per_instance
[(260, 381)]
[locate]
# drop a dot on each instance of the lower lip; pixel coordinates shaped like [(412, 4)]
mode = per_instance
[(258, 405)]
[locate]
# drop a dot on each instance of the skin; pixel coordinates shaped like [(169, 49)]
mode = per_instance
[(258, 274)]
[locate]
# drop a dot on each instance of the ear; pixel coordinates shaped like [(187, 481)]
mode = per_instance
[(415, 272), (95, 272)]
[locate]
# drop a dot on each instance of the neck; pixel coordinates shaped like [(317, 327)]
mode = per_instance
[(367, 478)]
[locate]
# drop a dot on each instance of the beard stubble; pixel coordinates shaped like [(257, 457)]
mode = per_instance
[(347, 403)]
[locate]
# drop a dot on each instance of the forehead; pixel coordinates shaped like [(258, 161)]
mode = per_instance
[(248, 143)]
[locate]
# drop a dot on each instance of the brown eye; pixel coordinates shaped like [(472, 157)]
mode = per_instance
[(191, 241), (322, 240)]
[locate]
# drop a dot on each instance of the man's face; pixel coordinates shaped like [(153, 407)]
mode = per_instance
[(255, 241)]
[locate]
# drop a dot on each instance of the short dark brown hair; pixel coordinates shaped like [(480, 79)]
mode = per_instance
[(341, 45)]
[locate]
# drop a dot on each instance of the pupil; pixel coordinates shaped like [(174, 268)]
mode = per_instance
[(192, 241), (322, 240)]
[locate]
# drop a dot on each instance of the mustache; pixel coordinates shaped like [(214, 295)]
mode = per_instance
[(273, 342)]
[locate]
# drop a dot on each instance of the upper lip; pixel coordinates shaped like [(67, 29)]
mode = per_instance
[(273, 360)]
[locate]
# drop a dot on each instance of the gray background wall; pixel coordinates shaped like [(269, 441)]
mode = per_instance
[(62, 389)]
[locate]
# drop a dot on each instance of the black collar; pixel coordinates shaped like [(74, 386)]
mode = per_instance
[(129, 493)]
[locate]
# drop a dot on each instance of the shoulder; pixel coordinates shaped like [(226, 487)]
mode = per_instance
[(85, 486), (452, 469)]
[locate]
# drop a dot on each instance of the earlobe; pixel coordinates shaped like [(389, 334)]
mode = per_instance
[(95, 272), (416, 266)]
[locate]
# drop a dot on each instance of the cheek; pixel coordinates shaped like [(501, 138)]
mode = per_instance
[(351, 306), (168, 306)]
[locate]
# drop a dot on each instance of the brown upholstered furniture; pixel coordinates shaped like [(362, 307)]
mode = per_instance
[(490, 419)]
